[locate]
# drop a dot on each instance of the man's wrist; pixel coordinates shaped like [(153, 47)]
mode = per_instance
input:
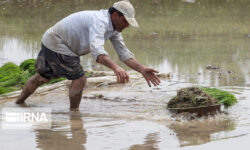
[(141, 70), (114, 66)]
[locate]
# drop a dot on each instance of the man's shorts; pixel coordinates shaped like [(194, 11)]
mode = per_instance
[(50, 65)]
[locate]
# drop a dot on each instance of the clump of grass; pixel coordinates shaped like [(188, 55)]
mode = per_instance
[(28, 65), (10, 74), (13, 77), (201, 96), (223, 97), (28, 70), (4, 90), (191, 97)]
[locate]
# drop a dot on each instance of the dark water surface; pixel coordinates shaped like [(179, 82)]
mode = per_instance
[(182, 38)]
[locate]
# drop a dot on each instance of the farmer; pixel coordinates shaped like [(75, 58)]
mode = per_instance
[(79, 34)]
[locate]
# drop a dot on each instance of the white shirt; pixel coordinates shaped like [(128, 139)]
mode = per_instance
[(84, 32)]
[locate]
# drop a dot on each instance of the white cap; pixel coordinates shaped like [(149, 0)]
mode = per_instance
[(128, 11)]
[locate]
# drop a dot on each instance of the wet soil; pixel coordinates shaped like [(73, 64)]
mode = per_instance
[(131, 113), (191, 97)]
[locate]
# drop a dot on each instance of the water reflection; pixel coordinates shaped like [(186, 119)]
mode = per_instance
[(16, 50), (151, 141), (200, 132), (141, 123), (63, 135), (178, 37)]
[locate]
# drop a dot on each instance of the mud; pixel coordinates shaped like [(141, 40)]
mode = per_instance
[(191, 97), (128, 116), (192, 37), (210, 67)]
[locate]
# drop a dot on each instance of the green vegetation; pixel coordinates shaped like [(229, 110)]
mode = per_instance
[(28, 65), (191, 97), (4, 90), (201, 96), (28, 70), (223, 97), (13, 77), (10, 74)]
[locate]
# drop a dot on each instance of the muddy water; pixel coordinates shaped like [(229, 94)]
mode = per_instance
[(174, 36), (131, 116)]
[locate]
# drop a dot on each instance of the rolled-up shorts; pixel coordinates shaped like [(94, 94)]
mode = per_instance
[(50, 65)]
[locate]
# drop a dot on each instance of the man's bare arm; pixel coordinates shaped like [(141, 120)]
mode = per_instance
[(148, 73), (121, 74)]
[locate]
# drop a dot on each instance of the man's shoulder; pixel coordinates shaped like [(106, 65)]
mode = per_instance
[(97, 14), (101, 16), (98, 18)]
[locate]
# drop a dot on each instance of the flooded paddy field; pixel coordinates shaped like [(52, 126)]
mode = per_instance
[(131, 116), (183, 39)]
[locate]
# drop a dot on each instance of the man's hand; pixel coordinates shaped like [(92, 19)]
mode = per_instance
[(150, 77), (122, 75), (148, 73)]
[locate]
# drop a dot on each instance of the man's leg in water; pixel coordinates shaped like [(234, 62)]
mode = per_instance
[(75, 92), (33, 83)]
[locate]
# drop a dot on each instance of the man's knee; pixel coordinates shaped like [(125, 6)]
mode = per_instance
[(77, 86), (83, 80), (79, 82)]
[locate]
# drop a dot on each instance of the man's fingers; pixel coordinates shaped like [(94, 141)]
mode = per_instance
[(152, 78), (122, 77), (154, 83), (159, 81), (148, 83), (118, 77), (156, 80), (155, 71), (127, 77)]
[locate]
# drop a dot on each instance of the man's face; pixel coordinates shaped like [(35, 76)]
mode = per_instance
[(119, 22)]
